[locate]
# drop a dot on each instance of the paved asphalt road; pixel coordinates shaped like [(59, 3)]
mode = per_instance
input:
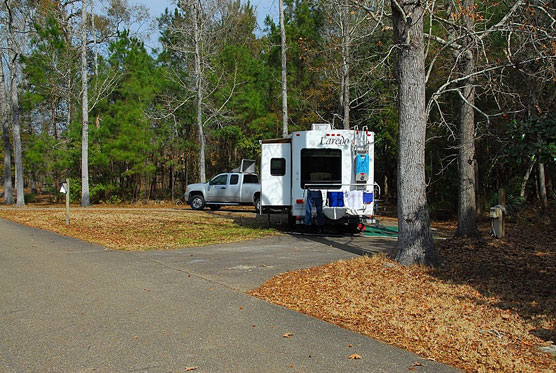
[(70, 306)]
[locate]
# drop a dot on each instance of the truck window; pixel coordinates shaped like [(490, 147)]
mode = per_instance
[(219, 180), (321, 168), (234, 179), (278, 166), (250, 179)]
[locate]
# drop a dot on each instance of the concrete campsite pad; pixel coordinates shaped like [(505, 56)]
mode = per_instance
[(68, 305), (246, 265)]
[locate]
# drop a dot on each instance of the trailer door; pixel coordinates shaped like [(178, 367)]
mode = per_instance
[(276, 174)]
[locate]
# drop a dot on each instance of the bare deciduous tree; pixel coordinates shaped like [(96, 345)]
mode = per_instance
[(415, 242), (197, 33), (468, 35), (465, 57), (15, 30), (85, 201), (284, 71), (4, 112), (352, 25)]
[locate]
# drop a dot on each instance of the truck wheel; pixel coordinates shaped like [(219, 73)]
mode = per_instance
[(215, 207), (257, 205), (197, 202)]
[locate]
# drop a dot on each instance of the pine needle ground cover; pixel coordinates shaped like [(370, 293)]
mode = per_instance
[(490, 307), (145, 228)]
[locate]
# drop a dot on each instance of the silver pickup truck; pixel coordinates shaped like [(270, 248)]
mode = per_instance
[(227, 189)]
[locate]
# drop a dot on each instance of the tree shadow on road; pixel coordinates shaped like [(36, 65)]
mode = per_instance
[(336, 237), (355, 244)]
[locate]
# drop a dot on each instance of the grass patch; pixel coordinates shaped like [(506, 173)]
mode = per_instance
[(488, 308), (145, 229)]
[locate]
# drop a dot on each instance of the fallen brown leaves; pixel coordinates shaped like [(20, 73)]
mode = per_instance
[(144, 229), (488, 308), (415, 364)]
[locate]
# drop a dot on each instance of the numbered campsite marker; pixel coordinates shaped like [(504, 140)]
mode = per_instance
[(65, 189)]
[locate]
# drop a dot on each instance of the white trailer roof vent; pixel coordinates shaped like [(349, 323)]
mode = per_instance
[(321, 127)]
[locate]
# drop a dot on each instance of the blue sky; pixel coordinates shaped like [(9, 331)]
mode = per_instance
[(263, 7)]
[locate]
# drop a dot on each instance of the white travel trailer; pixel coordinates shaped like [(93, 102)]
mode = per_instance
[(338, 163)]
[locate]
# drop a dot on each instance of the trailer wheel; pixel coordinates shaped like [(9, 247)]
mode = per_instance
[(291, 221), (197, 202)]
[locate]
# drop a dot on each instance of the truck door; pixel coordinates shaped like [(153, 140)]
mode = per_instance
[(234, 188), (276, 174), (217, 188)]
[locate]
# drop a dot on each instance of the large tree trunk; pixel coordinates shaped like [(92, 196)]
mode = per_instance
[(4, 107), (172, 183), (18, 158), (95, 46), (284, 72), (85, 201), (467, 205), (68, 100), (345, 63), (8, 187), (415, 242), (69, 86), (14, 103), (199, 89)]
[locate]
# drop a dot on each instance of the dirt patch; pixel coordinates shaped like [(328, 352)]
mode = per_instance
[(488, 308)]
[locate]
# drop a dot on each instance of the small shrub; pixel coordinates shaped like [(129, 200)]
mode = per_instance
[(100, 192), (30, 197), (115, 200)]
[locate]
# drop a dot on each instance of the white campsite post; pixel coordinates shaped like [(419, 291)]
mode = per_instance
[(68, 202), (66, 190)]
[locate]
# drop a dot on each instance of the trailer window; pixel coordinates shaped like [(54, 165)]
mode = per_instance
[(278, 166), (250, 179), (321, 168)]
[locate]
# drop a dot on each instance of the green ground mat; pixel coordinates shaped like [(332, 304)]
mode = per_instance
[(380, 231)]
